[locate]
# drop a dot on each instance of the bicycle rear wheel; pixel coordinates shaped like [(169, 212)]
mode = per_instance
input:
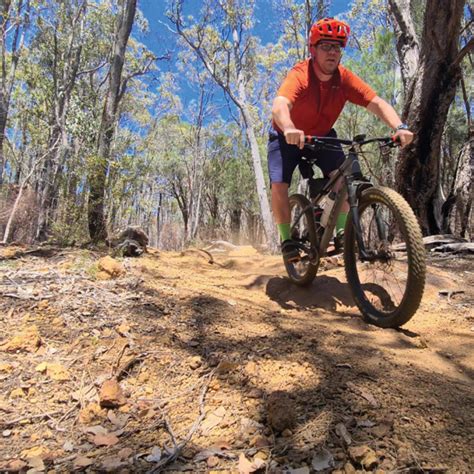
[(388, 288), (303, 271)]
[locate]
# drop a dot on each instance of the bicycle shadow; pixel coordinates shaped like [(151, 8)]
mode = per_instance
[(325, 292)]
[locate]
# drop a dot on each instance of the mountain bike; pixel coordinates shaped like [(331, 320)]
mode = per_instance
[(384, 256)]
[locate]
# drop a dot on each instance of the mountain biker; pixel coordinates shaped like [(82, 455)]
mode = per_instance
[(309, 101)]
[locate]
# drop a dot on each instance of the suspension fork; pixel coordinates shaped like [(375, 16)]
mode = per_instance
[(354, 210)]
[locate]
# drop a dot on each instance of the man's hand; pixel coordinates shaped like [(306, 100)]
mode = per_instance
[(405, 137), (293, 136)]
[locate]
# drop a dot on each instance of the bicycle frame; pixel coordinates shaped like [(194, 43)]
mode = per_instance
[(353, 184)]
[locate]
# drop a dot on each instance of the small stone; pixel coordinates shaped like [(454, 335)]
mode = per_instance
[(36, 451), (91, 413), (255, 393), (364, 456), (259, 442), (17, 393), (28, 340), (111, 395), (281, 412), (6, 433), (111, 266), (5, 367), (349, 468), (195, 362), (212, 461), (261, 455)]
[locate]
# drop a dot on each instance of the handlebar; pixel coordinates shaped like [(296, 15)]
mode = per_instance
[(311, 141)]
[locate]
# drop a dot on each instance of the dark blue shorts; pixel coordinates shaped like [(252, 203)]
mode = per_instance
[(284, 158)]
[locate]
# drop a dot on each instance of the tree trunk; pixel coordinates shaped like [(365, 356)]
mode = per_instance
[(98, 175), (407, 44), (242, 103), (427, 102), (8, 77), (235, 218), (457, 208)]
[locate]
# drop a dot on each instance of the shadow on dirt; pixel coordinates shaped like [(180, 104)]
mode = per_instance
[(325, 292), (337, 379)]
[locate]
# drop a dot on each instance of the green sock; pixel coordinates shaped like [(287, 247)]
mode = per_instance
[(341, 222), (284, 230)]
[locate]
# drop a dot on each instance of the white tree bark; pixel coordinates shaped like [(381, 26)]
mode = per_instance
[(407, 42)]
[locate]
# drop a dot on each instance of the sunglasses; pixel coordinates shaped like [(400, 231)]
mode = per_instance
[(326, 47)]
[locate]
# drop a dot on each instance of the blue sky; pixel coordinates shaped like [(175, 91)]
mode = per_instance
[(160, 39), (159, 36)]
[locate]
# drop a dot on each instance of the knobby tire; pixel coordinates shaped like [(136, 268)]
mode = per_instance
[(302, 273), (410, 232)]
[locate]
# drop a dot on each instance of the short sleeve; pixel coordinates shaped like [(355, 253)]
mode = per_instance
[(357, 91), (293, 84)]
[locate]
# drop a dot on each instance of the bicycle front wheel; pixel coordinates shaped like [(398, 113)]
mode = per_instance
[(302, 271), (387, 286)]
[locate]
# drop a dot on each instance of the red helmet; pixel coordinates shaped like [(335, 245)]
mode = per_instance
[(329, 29)]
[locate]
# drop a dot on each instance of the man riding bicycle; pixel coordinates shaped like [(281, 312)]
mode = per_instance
[(309, 101)]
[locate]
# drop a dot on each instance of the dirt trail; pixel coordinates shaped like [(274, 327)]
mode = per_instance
[(256, 372)]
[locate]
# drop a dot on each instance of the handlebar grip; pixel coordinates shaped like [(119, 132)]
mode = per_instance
[(395, 141)]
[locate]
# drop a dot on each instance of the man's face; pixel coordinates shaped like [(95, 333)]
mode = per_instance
[(327, 55)]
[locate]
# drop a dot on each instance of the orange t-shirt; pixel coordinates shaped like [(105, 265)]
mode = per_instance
[(317, 104)]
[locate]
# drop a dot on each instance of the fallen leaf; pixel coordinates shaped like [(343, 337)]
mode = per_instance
[(108, 439), (299, 470), (364, 394), (245, 466), (212, 420), (341, 430), (207, 453), (125, 453), (118, 420), (15, 466), (36, 463), (68, 446), (226, 366), (82, 461), (112, 464), (155, 455), (85, 394), (95, 430), (322, 460), (381, 430), (365, 423)]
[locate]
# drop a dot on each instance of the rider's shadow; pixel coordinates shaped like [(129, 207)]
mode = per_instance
[(325, 292)]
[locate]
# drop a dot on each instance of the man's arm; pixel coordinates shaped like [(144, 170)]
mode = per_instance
[(385, 112), (281, 115)]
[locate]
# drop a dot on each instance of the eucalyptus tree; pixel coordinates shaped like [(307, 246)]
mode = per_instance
[(295, 19), (430, 92), (58, 43), (124, 18), (221, 39), (14, 21)]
